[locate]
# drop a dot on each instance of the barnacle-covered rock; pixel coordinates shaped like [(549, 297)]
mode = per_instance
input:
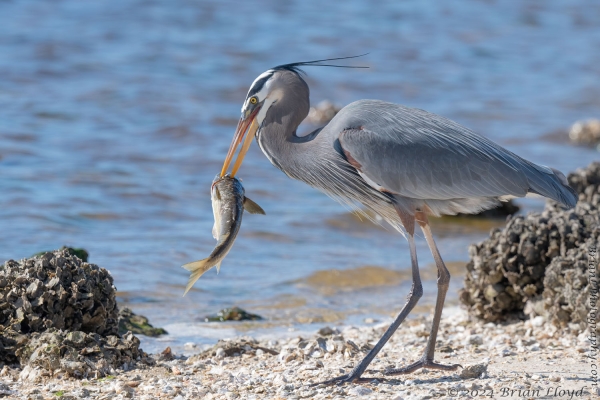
[(57, 290), (59, 314), (538, 264), (82, 254), (78, 354), (567, 289)]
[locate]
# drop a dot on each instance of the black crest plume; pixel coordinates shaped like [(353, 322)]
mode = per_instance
[(296, 67)]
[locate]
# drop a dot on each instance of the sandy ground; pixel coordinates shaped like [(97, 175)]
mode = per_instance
[(519, 360)]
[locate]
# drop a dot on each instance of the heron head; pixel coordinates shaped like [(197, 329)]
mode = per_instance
[(265, 91)]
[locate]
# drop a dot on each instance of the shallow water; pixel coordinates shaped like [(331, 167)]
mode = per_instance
[(116, 115)]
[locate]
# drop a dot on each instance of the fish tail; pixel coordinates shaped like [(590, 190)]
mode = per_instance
[(197, 268)]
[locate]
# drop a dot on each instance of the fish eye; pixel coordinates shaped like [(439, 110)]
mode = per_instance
[(253, 100)]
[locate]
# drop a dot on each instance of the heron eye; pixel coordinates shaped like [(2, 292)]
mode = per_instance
[(253, 100)]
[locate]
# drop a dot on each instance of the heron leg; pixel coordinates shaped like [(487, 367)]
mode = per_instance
[(416, 291), (443, 282)]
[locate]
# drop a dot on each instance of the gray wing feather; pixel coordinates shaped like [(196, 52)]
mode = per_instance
[(420, 155)]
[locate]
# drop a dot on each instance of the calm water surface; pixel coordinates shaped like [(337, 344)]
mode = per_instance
[(116, 115)]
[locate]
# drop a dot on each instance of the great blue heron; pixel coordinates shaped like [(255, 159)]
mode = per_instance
[(401, 163)]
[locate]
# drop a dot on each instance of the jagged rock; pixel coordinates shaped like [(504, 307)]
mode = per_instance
[(128, 321), (78, 354), (566, 289), (538, 264), (82, 254), (57, 290), (586, 132), (58, 314)]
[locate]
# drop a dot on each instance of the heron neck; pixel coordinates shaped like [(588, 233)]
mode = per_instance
[(277, 135), (281, 145)]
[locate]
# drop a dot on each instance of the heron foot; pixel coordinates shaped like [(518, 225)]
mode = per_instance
[(422, 363), (346, 378)]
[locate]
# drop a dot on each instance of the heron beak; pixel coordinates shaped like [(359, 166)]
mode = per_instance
[(240, 131)]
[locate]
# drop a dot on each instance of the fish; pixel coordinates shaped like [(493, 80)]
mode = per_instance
[(228, 203)]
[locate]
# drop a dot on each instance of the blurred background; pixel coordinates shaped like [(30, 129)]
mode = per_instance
[(116, 116)]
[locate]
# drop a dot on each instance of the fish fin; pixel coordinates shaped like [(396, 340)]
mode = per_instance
[(218, 267), (197, 268), (252, 207)]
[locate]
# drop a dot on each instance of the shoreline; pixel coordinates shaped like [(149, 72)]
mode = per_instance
[(519, 338), (527, 356)]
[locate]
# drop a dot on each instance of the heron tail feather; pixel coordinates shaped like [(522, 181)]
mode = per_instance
[(551, 183)]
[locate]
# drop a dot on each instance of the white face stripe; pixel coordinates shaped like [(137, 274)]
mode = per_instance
[(276, 95), (261, 95), (265, 107), (263, 91)]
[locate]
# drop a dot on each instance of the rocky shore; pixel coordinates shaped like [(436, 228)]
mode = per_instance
[(524, 333), (538, 264), (525, 357), (59, 317)]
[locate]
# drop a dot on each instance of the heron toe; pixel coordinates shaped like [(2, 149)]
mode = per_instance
[(422, 363), (346, 378)]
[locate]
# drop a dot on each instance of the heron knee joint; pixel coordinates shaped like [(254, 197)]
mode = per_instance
[(443, 277), (416, 292)]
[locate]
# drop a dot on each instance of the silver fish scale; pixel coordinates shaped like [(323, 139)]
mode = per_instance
[(227, 196)]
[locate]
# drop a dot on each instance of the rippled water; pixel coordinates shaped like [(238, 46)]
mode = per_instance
[(116, 115)]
